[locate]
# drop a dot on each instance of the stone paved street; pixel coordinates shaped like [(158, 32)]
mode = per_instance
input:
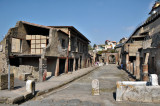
[(78, 93)]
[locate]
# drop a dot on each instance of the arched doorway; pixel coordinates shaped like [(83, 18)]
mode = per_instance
[(112, 59)]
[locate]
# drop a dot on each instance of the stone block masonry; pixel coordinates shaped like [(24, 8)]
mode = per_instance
[(24, 71), (137, 92), (4, 81)]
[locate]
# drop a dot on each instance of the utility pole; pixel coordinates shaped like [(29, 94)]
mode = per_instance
[(9, 88)]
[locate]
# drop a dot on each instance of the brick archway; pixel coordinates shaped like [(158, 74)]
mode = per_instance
[(110, 54)]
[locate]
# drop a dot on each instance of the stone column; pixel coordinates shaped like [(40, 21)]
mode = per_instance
[(69, 41), (66, 65), (134, 68), (131, 68), (127, 60), (137, 65), (79, 63), (74, 64), (57, 67), (116, 59), (83, 63), (42, 69), (145, 72), (107, 59)]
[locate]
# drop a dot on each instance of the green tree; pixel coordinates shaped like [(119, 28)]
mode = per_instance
[(90, 47), (94, 46)]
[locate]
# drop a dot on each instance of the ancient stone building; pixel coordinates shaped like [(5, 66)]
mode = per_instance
[(36, 50), (140, 53), (118, 48)]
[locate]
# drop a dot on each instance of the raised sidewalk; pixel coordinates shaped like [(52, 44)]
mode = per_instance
[(20, 95)]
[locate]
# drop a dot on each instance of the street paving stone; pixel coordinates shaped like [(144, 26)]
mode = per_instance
[(78, 93)]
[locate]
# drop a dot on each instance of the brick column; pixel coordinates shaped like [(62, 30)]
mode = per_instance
[(137, 65), (145, 72), (57, 67), (42, 69)]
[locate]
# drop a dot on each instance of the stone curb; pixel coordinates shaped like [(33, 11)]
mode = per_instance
[(28, 96), (64, 83)]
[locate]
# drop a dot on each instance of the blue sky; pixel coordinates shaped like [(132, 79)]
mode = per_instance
[(98, 20)]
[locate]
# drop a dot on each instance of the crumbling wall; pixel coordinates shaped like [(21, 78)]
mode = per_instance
[(24, 72), (156, 40), (19, 32), (2, 57), (54, 48), (4, 54), (153, 60), (132, 48), (157, 63)]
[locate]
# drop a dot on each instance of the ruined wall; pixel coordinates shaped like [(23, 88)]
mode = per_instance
[(157, 64), (2, 56), (119, 55), (20, 33), (132, 48), (24, 72), (5, 53), (66, 30), (152, 27), (147, 43), (153, 60), (55, 48), (154, 33), (156, 40)]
